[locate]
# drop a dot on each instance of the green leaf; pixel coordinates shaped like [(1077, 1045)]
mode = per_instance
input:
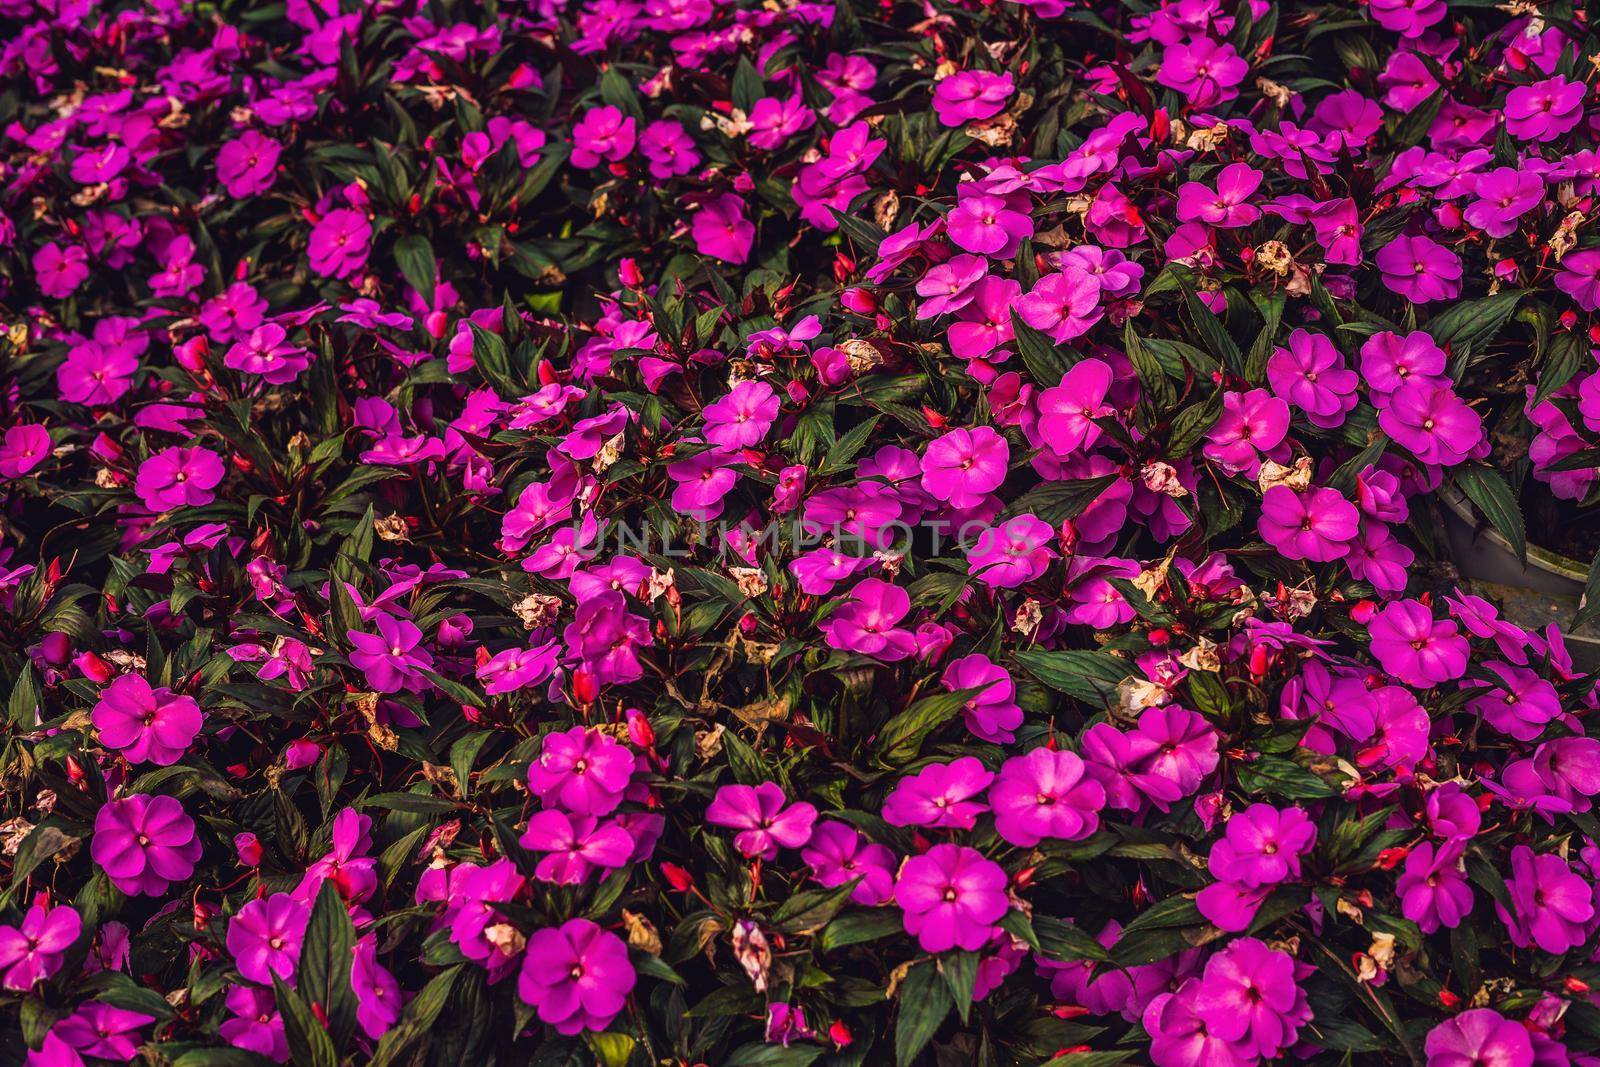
[(1091, 677), (924, 1002), (859, 928), (845, 448), (417, 1019), (901, 738), (493, 360), (1157, 386), (1060, 940), (1487, 488), (1056, 502), (1567, 355), (309, 1043), (414, 255), (806, 912), (611, 1049), (1278, 776), (1589, 604), (960, 972), (1045, 362), (325, 957), (1471, 324), (762, 1054), (23, 708)]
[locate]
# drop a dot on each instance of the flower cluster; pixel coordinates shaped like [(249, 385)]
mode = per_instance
[(634, 532)]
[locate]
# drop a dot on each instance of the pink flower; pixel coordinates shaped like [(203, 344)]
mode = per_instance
[(1552, 906), (146, 725), (838, 853), (669, 148), (763, 817), (1045, 794), (59, 271), (1203, 71), (964, 467), (144, 844), (36, 949), (971, 95), (265, 937), (1068, 409), (720, 229), (1262, 846), (1433, 889), (1317, 524), (984, 323), (1389, 361), (952, 898), (1249, 995), (939, 796), (256, 1025), (393, 659), (1226, 207), (1408, 18), (178, 477), (103, 1031), (339, 243), (247, 165), (577, 976), (96, 374), (581, 771), (1579, 278), (1063, 305), (1251, 423), (988, 225), (774, 120), (266, 354), (518, 668), (1415, 647), (992, 713), (1479, 1037), (1419, 269), (603, 134), (867, 622), (742, 417), (949, 286), (23, 449), (1014, 553)]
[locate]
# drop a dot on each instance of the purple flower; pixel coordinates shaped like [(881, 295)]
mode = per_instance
[(992, 713), (581, 771), (1552, 906), (1545, 110), (24, 448), (1251, 423), (339, 243), (838, 853), (940, 796), (246, 166), (952, 897), (393, 659), (1521, 705), (144, 844), (1479, 1037), (1063, 305), (59, 271), (578, 844), (1045, 794), (1433, 889), (1415, 647), (1310, 374), (1203, 71), (603, 134), (103, 1031), (266, 354), (1419, 269), (179, 477), (743, 417), (971, 95), (764, 818), (36, 949), (721, 230), (1504, 195), (518, 668), (1432, 422), (1249, 996), (146, 725), (378, 999), (577, 976), (1183, 746), (669, 148), (1579, 278), (256, 1024), (1317, 524), (265, 936)]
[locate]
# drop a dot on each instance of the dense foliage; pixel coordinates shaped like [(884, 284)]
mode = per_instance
[(698, 532)]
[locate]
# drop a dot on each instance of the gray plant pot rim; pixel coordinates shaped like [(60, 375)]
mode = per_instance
[(1541, 558)]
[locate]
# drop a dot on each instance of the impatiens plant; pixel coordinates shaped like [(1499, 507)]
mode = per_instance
[(630, 532)]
